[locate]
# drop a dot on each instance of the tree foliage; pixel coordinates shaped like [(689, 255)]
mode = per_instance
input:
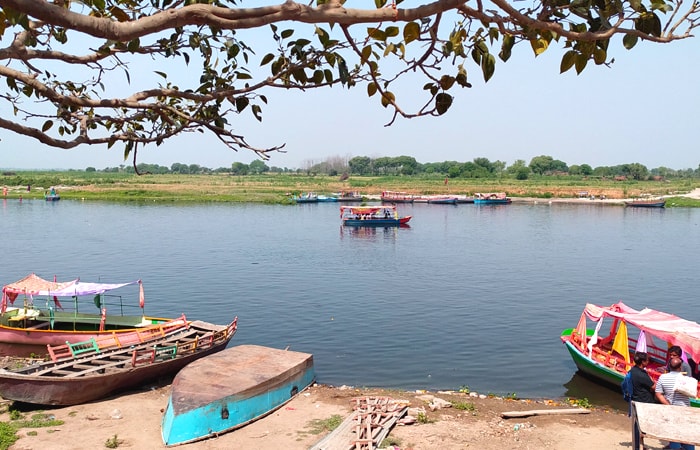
[(65, 63)]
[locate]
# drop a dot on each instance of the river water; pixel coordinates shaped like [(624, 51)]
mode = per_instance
[(467, 296)]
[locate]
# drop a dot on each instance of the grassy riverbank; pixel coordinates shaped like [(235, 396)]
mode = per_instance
[(275, 188)]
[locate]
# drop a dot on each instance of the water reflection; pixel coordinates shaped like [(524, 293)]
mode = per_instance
[(581, 386), (371, 232)]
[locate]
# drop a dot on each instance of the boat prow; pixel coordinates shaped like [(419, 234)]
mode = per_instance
[(232, 388)]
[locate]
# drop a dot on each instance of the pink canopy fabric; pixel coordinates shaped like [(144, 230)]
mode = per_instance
[(667, 327), (35, 285)]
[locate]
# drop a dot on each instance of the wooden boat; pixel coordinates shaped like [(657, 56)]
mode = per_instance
[(53, 313), (258, 380), (397, 197), (608, 358), (349, 196), (465, 199), (372, 216), (491, 198), (646, 203), (308, 197), (92, 373), (442, 200), (52, 196), (326, 198)]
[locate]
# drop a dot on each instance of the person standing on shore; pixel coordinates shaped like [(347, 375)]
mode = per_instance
[(667, 395), (642, 390)]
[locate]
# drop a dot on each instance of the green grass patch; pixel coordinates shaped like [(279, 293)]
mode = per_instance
[(319, 426), (8, 430), (464, 406)]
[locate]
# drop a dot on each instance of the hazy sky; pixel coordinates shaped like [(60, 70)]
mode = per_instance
[(643, 109)]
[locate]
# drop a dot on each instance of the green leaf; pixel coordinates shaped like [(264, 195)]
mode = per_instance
[(371, 89), (286, 33), (318, 76), (629, 41), (376, 34), (257, 112), (446, 82), (134, 45), (392, 31), (366, 53), (387, 98), (162, 74), (411, 32), (241, 103), (599, 56), (443, 102), (47, 126), (506, 47), (267, 58), (567, 61), (581, 62), (379, 3), (118, 14), (488, 66)]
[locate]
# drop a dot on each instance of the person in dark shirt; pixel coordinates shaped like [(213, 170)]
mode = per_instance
[(643, 389)]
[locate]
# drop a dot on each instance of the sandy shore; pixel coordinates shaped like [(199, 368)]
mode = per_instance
[(473, 422)]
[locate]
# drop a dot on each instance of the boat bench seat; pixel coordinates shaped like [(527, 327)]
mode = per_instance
[(79, 348)]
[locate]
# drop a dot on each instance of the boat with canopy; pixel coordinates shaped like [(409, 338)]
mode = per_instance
[(606, 353), (372, 216), (53, 312)]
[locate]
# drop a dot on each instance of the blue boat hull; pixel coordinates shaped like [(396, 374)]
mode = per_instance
[(372, 223), (498, 201), (232, 389)]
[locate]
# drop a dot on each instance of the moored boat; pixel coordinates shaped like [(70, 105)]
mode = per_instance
[(307, 197), (442, 200), (372, 216), (607, 358), (54, 312), (349, 196), (258, 380), (646, 203), (397, 197), (491, 198), (327, 198), (91, 374)]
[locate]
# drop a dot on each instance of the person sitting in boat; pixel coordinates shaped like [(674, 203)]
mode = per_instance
[(53, 191)]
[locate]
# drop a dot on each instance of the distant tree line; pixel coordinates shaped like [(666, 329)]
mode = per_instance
[(481, 167)]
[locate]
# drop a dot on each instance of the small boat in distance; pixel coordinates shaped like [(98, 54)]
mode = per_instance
[(442, 200), (646, 202), (52, 195), (372, 216), (349, 196), (607, 355), (257, 381), (491, 198), (397, 197), (306, 197)]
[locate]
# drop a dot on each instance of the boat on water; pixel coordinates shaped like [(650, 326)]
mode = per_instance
[(306, 197), (258, 380), (54, 312), (349, 196), (442, 200), (606, 354), (93, 373), (465, 199), (52, 195), (491, 198), (397, 197), (326, 198), (646, 203), (372, 216)]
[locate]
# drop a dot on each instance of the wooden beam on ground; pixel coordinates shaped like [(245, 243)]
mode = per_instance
[(543, 412)]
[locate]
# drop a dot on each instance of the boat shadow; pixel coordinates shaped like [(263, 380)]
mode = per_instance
[(581, 386)]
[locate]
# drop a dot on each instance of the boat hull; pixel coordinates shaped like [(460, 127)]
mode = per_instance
[(595, 370), (17, 341), (496, 201), (258, 380), (646, 204), (50, 389), (376, 222)]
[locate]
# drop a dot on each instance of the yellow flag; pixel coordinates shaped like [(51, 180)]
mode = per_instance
[(620, 344)]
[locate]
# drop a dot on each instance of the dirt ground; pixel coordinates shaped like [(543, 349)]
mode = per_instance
[(133, 420)]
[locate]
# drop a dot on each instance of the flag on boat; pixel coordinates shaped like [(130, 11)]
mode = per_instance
[(620, 344)]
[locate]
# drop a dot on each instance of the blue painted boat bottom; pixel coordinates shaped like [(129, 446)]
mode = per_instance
[(231, 389)]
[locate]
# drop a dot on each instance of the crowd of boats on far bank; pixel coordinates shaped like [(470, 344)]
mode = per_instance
[(386, 215)]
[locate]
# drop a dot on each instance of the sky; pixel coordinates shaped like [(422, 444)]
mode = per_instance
[(643, 109)]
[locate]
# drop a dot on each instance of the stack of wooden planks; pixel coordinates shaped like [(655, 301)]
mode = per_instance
[(368, 425)]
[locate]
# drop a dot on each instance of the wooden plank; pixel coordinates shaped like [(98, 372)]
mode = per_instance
[(543, 412), (667, 422)]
